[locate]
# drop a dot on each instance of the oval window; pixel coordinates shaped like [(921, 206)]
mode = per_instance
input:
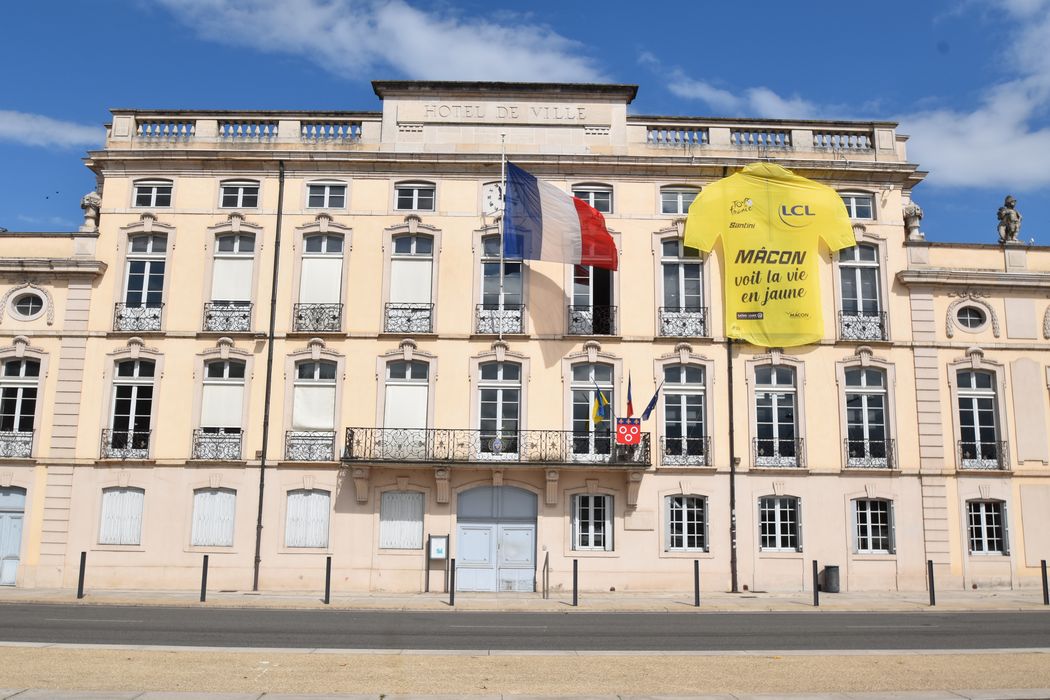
[(970, 317), (28, 305)]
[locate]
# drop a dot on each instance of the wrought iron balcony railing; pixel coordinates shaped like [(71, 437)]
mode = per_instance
[(137, 317), (491, 319), (779, 452), (983, 455), (125, 444), (214, 446), (409, 318), (319, 318), (678, 322), (474, 446), (860, 325), (230, 316), (870, 454), (309, 445), (686, 451), (592, 320), (16, 444)]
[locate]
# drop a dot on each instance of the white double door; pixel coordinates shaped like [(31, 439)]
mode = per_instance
[(12, 513), (496, 557)]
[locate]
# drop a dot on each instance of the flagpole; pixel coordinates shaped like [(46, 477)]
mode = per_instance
[(502, 226)]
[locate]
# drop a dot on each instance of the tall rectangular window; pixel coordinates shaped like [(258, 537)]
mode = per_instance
[(132, 415), (592, 391), (592, 522), (979, 446), (867, 443), (686, 523), (986, 526), (499, 388), (306, 521), (18, 393), (592, 311), (873, 526), (213, 517), (401, 520), (685, 437), (121, 517), (410, 309), (779, 524), (776, 444)]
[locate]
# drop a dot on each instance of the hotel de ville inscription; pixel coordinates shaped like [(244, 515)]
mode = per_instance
[(484, 112)]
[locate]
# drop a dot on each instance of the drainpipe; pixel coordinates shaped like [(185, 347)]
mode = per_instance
[(732, 474), (269, 375)]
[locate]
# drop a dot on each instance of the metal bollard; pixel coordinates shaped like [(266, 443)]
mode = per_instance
[(1046, 589), (816, 586), (575, 582), (204, 579), (327, 580), (696, 583), (929, 576), (83, 567), (452, 582)]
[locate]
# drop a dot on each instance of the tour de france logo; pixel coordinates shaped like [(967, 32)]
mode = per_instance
[(740, 206)]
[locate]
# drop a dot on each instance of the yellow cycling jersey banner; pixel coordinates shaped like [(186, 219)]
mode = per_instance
[(771, 222)]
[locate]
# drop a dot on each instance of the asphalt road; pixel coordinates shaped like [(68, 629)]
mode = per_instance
[(454, 630)]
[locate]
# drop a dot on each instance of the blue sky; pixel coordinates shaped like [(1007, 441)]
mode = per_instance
[(969, 81)]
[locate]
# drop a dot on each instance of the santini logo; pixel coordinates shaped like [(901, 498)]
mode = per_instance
[(792, 215)]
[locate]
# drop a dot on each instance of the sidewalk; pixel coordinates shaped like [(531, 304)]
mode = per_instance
[(1027, 599)]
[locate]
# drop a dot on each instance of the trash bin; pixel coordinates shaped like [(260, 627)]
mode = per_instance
[(831, 579)]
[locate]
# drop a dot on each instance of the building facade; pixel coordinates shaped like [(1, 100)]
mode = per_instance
[(284, 336)]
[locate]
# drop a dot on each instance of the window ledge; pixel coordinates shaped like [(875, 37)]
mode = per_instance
[(391, 552), (317, 551), (216, 462), (994, 473), (130, 462), (698, 554), (781, 555), (587, 554), (118, 548), (779, 470), (28, 461), (214, 549), (873, 556), (690, 468)]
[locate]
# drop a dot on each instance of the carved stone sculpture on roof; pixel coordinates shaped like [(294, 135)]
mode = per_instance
[(1009, 221)]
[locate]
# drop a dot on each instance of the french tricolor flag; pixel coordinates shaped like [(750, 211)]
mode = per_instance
[(544, 223)]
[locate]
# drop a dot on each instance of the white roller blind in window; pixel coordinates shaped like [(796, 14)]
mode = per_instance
[(321, 280), (313, 408), (213, 511), (410, 281), (406, 406), (221, 406), (306, 523), (232, 279), (121, 520), (401, 520)]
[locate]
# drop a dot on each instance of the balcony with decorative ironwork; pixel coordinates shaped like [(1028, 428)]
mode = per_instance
[(490, 319), (409, 318), (685, 451), (857, 325), (778, 453), (678, 322), (309, 445), (592, 320), (137, 318), (870, 454), (212, 446), (317, 318), (125, 444), (466, 446), (983, 455), (228, 316), (16, 444)]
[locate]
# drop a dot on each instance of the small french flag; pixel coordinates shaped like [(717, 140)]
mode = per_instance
[(544, 223)]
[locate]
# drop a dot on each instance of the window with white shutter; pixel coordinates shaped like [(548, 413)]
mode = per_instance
[(321, 278), (121, 518), (306, 520), (401, 520), (213, 516), (221, 405), (232, 269), (313, 396)]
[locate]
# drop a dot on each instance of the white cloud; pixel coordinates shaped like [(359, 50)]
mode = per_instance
[(38, 130), (999, 142), (358, 38), (749, 102)]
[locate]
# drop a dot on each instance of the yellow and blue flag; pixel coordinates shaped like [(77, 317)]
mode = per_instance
[(601, 406)]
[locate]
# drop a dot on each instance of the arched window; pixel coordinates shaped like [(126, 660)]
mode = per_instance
[(222, 406), (867, 436), (683, 313), (131, 419), (153, 193), (499, 397), (685, 434), (593, 402), (19, 382), (312, 436), (979, 442), (777, 443), (410, 309), (214, 513), (239, 194), (143, 284), (861, 316), (320, 307)]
